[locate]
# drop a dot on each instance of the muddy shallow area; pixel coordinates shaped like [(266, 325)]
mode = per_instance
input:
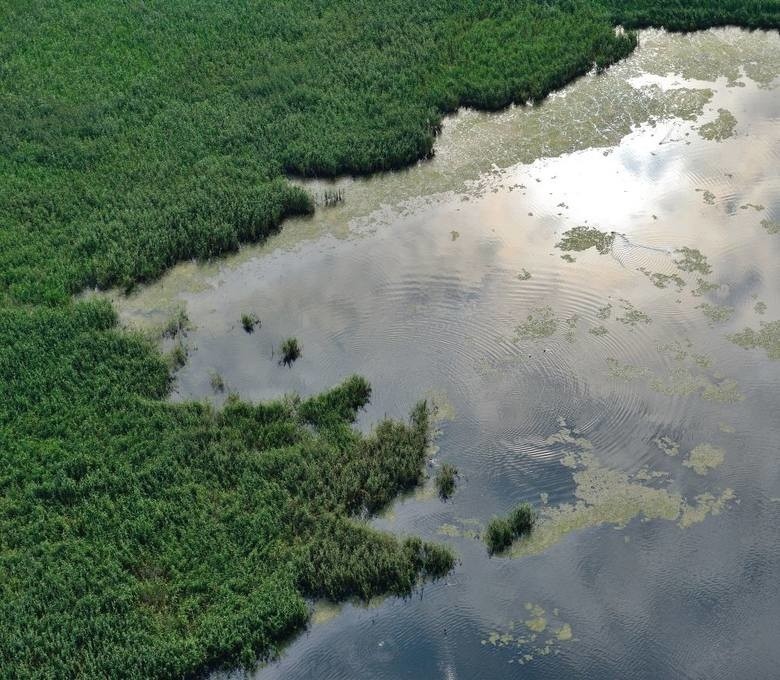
[(570, 285)]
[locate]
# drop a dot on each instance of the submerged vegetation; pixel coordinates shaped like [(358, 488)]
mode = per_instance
[(501, 532), (162, 539)]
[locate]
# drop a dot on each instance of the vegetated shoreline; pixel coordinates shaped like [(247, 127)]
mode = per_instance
[(140, 538)]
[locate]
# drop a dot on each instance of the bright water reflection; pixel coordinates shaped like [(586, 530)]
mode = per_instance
[(600, 386)]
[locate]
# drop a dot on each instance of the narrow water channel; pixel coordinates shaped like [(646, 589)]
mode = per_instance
[(570, 285)]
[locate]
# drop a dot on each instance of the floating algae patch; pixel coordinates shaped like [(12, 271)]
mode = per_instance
[(707, 195), (703, 458), (454, 235), (568, 258), (771, 226), (721, 128), (667, 445), (464, 528), (538, 622), (752, 206), (704, 505), (660, 280), (571, 325), (598, 330), (606, 496), (625, 372), (725, 391), (767, 337), (692, 260), (524, 275), (540, 323), (681, 382), (759, 307), (716, 313), (583, 238), (703, 287), (726, 428), (539, 635), (441, 408), (677, 350), (632, 316), (604, 312)]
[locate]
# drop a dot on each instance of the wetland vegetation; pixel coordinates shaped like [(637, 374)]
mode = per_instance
[(150, 539), (501, 532), (446, 480), (290, 350)]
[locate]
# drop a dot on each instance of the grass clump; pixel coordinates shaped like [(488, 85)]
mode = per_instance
[(217, 382), (498, 535), (178, 324), (249, 322), (502, 531), (178, 356), (290, 350), (446, 480)]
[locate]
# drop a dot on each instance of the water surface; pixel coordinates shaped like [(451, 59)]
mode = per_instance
[(590, 372)]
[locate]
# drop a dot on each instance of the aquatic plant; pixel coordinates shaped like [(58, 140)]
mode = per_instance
[(721, 128), (502, 531), (290, 351), (583, 237), (522, 519), (446, 479), (692, 260), (217, 382), (178, 323), (178, 356), (249, 322), (331, 197), (766, 337), (498, 535)]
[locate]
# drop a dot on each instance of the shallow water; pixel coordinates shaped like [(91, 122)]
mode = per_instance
[(595, 378)]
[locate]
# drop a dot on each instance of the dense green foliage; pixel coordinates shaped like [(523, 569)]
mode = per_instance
[(501, 531), (144, 539), (140, 538)]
